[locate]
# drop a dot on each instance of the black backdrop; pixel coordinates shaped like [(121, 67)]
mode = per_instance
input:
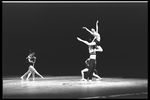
[(50, 30)]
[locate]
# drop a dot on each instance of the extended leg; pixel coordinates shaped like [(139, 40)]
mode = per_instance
[(38, 73), (24, 74), (34, 71), (95, 73), (98, 78)]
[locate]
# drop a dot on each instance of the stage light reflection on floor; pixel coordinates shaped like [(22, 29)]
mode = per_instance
[(72, 85)]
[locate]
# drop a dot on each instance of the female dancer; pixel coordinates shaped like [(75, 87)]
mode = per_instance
[(31, 58), (94, 33), (93, 48)]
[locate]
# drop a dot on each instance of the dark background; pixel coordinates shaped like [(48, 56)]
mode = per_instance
[(50, 30)]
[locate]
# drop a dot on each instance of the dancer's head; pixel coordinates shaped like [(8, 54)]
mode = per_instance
[(93, 30)]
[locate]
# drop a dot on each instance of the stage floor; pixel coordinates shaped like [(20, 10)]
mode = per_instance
[(72, 87)]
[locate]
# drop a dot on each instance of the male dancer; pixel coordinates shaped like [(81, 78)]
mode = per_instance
[(93, 48)]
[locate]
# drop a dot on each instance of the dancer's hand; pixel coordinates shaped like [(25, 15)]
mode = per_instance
[(84, 27), (99, 79), (79, 39), (97, 21)]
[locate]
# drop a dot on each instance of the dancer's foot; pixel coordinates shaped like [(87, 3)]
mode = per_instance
[(42, 77), (90, 80), (83, 79), (98, 79), (21, 78)]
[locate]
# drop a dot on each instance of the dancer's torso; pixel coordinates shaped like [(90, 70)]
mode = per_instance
[(92, 53), (32, 61), (97, 35)]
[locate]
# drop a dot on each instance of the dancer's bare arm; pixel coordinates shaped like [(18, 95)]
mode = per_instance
[(99, 49), (87, 61), (86, 42), (87, 30), (30, 60), (97, 26), (34, 59), (94, 39), (29, 56)]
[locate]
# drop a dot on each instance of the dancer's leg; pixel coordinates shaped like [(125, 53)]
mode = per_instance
[(28, 76), (33, 76), (24, 74), (82, 73), (34, 71), (95, 73), (38, 73), (98, 77), (91, 69)]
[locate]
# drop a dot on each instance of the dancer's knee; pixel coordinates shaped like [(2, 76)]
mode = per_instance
[(82, 71)]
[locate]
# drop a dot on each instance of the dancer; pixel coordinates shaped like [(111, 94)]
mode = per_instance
[(32, 59), (93, 48), (95, 33), (95, 73)]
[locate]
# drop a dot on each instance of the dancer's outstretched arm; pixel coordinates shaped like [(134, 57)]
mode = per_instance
[(86, 42), (87, 30), (97, 26)]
